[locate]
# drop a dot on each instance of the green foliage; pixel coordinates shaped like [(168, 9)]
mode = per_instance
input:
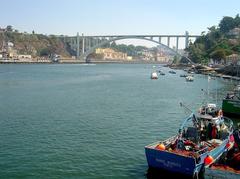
[(217, 43), (9, 28), (236, 48), (226, 24), (218, 54), (131, 50), (44, 52), (36, 44), (175, 59)]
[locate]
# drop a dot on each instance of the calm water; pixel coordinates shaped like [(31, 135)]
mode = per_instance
[(90, 121)]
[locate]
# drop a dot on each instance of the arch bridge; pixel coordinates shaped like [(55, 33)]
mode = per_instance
[(85, 45)]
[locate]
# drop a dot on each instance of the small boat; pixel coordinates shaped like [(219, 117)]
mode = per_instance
[(161, 73), (191, 150), (226, 76), (189, 78), (172, 72), (190, 72), (154, 75), (237, 88), (183, 75), (231, 103)]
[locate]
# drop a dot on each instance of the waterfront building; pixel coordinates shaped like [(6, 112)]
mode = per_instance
[(146, 55), (233, 59), (235, 33), (109, 53), (24, 57)]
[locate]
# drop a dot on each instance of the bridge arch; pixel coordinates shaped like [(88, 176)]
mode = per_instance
[(92, 49)]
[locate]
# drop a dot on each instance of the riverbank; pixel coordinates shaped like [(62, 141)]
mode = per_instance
[(74, 61), (231, 72)]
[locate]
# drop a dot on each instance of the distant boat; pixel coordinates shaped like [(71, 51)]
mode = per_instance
[(161, 73), (237, 89), (189, 78), (172, 72), (154, 75), (183, 75)]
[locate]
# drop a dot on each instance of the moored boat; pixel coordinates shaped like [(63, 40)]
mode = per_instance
[(189, 78), (231, 103), (172, 72), (191, 150), (183, 75), (229, 165), (154, 75), (161, 73)]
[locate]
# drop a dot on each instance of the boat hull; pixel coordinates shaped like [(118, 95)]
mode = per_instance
[(169, 161), (154, 75), (175, 162), (231, 107)]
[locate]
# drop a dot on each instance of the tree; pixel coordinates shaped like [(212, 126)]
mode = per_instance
[(9, 28), (218, 55), (226, 24), (107, 45), (45, 52), (237, 20), (113, 44), (216, 43), (236, 48)]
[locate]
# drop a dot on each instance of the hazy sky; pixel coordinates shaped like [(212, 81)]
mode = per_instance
[(103, 17)]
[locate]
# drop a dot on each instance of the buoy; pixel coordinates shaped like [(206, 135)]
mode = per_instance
[(208, 160), (161, 147), (231, 138), (228, 145)]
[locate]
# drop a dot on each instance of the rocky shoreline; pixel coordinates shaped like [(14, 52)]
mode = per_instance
[(226, 72)]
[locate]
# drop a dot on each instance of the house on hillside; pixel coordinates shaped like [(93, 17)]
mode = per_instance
[(234, 33), (233, 59), (109, 53)]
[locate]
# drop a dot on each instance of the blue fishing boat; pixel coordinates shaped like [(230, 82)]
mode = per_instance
[(194, 147)]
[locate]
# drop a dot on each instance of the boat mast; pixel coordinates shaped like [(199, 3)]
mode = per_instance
[(208, 89)]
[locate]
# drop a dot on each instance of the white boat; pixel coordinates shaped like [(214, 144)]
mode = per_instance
[(154, 75), (189, 78), (237, 88)]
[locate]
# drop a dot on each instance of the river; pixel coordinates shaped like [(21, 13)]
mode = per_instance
[(91, 121)]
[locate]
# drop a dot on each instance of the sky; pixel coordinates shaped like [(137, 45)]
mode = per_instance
[(115, 17)]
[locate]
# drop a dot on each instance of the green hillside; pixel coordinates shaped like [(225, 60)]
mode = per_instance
[(218, 43), (34, 44)]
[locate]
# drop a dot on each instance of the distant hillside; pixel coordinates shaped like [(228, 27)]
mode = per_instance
[(218, 43), (34, 44)]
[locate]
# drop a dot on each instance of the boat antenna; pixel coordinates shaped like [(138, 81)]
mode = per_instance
[(208, 88), (185, 107), (216, 92), (204, 94)]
